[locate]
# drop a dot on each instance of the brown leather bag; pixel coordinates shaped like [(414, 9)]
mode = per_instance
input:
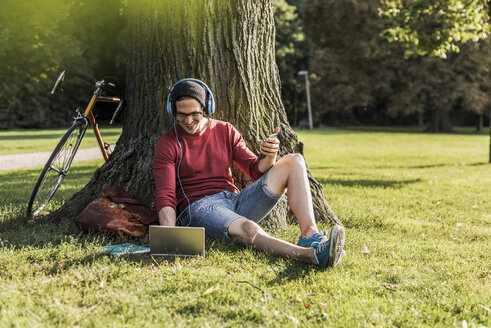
[(117, 211)]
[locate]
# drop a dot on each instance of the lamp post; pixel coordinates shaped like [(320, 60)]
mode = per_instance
[(307, 89)]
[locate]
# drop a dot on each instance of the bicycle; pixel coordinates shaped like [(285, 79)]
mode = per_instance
[(60, 160)]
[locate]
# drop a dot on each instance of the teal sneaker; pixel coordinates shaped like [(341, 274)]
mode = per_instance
[(330, 252), (314, 240)]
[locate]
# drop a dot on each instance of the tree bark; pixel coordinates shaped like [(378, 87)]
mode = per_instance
[(480, 122), (440, 121), (445, 123), (420, 118), (227, 44), (434, 121)]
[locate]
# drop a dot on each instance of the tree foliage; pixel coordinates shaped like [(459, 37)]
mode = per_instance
[(362, 78), (434, 27), (38, 39), (29, 47), (347, 64), (293, 53)]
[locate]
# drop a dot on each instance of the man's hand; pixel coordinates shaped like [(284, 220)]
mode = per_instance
[(167, 216), (270, 146)]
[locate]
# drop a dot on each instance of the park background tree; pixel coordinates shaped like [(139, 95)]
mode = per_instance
[(360, 78), (29, 53), (293, 54), (38, 39), (357, 77), (227, 44), (437, 27)]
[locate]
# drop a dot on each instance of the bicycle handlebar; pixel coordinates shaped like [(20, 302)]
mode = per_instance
[(84, 77), (58, 82), (98, 84)]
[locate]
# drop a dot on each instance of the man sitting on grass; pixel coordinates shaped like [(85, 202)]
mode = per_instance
[(192, 176)]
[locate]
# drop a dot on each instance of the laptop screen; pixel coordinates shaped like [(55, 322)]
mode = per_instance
[(176, 241)]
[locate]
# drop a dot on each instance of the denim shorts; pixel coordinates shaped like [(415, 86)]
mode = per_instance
[(216, 212)]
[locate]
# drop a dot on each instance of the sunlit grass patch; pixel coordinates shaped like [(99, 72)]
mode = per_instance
[(418, 223), (28, 141)]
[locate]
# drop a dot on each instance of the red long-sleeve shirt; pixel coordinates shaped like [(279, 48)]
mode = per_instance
[(205, 167)]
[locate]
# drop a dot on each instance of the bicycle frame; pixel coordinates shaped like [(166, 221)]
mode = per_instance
[(96, 97), (88, 113)]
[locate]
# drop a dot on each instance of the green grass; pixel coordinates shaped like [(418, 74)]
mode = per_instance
[(408, 129), (27, 141), (418, 202)]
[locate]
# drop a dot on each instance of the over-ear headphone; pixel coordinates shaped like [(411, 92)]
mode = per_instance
[(210, 101)]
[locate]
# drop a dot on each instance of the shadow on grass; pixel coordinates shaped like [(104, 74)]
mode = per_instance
[(429, 166), (291, 269), (27, 137), (423, 166), (19, 184), (395, 184), (294, 270), (59, 247), (478, 164), (21, 136), (51, 242)]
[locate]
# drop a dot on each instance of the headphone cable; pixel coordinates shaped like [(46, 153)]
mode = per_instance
[(179, 178)]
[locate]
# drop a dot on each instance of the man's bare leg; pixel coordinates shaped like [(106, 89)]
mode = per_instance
[(291, 172), (249, 232)]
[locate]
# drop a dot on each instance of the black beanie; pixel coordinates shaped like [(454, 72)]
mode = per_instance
[(188, 89)]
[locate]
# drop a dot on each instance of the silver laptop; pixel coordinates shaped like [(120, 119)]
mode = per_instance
[(176, 241)]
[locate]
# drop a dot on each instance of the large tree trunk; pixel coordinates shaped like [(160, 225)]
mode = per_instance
[(480, 122), (227, 44), (434, 121), (420, 118), (440, 121)]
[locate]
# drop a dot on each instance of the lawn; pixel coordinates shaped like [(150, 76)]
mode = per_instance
[(28, 141), (418, 221)]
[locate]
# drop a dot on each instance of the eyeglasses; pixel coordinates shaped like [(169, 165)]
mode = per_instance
[(194, 115)]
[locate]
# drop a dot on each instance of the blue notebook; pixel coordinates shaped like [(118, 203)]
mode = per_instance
[(124, 249)]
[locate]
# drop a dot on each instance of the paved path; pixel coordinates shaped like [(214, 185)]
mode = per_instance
[(18, 161)]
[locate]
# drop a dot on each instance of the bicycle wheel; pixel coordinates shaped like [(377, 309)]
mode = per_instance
[(56, 168)]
